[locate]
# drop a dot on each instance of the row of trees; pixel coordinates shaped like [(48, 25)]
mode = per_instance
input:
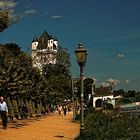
[(23, 85), (128, 96)]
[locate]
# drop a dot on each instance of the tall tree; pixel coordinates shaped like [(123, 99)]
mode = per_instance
[(58, 75), (17, 76)]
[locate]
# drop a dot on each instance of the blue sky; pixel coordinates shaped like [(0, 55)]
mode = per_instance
[(109, 29)]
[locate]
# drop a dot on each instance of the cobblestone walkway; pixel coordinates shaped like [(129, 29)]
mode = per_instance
[(49, 127)]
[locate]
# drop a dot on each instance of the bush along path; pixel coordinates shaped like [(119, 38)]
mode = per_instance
[(48, 127)]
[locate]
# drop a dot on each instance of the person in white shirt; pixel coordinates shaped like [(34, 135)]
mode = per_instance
[(3, 112)]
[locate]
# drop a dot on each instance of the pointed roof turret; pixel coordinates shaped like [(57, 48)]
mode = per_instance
[(45, 35), (35, 39), (43, 40)]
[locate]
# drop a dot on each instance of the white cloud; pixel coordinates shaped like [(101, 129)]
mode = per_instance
[(104, 84), (5, 5), (110, 80), (113, 81), (9, 5), (31, 11), (56, 17), (127, 81), (120, 55)]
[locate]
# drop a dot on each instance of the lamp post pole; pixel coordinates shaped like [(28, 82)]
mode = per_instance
[(82, 104), (75, 99), (81, 56), (73, 103)]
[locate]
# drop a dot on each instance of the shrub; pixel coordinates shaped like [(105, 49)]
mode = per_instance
[(101, 126)]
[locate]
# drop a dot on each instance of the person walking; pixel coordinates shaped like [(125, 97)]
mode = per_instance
[(3, 112), (65, 109), (59, 109)]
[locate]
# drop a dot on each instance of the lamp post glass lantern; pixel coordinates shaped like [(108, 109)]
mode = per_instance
[(81, 57)]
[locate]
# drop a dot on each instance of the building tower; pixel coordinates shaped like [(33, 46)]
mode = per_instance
[(44, 50), (34, 49)]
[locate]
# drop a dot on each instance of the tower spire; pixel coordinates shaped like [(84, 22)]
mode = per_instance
[(35, 39)]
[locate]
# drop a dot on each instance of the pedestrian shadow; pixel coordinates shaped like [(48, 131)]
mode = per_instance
[(21, 123), (62, 137), (18, 125)]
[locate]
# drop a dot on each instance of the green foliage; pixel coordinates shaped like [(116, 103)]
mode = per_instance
[(124, 127), (6, 19), (13, 49), (87, 84), (63, 58), (58, 76), (101, 126), (119, 92), (137, 97), (17, 76), (99, 123), (23, 84), (87, 87), (128, 96), (19, 80)]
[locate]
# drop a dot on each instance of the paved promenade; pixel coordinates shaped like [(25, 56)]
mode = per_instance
[(49, 127)]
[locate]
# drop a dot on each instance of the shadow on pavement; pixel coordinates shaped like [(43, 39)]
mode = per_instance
[(62, 137), (21, 123)]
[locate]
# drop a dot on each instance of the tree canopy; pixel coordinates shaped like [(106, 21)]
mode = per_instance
[(59, 76), (19, 78), (6, 19)]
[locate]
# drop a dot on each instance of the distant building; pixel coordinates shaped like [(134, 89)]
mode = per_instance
[(44, 50), (103, 95)]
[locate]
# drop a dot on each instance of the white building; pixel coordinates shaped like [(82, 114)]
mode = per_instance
[(44, 50), (103, 94)]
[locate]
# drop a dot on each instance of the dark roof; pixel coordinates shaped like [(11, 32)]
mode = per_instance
[(43, 40), (102, 91), (45, 35), (35, 39)]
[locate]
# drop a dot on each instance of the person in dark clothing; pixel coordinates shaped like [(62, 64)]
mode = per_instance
[(65, 109), (3, 112)]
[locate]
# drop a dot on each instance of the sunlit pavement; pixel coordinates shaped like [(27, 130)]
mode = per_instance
[(48, 127)]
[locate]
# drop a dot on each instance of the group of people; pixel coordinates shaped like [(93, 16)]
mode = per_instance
[(3, 112), (63, 109)]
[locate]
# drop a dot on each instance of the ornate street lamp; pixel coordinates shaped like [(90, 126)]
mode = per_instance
[(81, 56)]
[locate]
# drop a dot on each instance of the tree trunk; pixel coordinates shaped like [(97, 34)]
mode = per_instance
[(10, 109), (16, 110)]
